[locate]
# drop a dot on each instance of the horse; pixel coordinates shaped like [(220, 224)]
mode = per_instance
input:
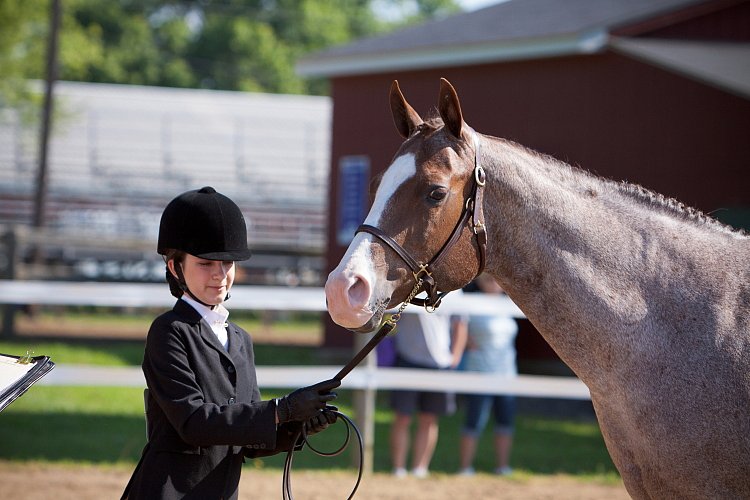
[(645, 299)]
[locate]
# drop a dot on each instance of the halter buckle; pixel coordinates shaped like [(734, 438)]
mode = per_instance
[(479, 175), (421, 272)]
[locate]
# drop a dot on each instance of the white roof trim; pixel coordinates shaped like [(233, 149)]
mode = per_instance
[(432, 57)]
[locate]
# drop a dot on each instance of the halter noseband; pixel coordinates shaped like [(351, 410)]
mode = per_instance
[(473, 213)]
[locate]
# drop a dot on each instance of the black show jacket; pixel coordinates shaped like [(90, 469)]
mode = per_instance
[(204, 411)]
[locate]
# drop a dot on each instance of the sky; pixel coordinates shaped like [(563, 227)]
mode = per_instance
[(476, 4), (387, 11)]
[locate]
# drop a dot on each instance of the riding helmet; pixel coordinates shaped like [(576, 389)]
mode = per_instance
[(205, 224)]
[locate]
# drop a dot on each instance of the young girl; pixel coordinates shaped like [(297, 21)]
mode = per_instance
[(204, 412)]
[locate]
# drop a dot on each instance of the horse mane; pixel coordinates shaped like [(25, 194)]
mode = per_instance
[(673, 206), (639, 194), (663, 204)]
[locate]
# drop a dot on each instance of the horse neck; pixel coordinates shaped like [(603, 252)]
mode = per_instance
[(584, 259)]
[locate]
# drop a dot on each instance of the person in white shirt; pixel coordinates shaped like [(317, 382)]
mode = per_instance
[(431, 342)]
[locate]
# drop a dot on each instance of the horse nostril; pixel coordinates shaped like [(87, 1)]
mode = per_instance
[(346, 291), (358, 292)]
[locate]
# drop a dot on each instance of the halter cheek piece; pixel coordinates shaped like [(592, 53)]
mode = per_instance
[(473, 214)]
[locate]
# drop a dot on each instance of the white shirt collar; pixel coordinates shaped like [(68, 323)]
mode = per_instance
[(214, 317)]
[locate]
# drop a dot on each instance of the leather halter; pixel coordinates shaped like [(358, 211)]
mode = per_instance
[(473, 214)]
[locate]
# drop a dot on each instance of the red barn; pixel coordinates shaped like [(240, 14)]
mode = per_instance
[(655, 92)]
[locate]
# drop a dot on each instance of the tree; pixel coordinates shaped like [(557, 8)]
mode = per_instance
[(23, 26), (249, 45)]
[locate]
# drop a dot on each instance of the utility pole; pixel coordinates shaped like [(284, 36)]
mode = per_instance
[(51, 76), (9, 310)]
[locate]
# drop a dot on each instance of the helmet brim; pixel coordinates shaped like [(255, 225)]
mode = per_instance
[(235, 255)]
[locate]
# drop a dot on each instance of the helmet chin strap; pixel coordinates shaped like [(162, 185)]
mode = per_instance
[(183, 286)]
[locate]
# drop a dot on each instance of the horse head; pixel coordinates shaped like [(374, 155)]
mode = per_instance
[(425, 221)]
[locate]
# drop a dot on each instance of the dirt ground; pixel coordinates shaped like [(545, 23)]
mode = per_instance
[(68, 482), (51, 327)]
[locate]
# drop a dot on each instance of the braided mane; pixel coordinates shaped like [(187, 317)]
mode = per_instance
[(637, 193), (666, 204)]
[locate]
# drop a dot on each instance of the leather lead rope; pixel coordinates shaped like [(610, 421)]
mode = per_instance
[(385, 329), (362, 354)]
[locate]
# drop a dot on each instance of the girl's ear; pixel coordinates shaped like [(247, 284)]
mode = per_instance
[(170, 266)]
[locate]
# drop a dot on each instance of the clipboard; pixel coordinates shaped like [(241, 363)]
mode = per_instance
[(18, 373)]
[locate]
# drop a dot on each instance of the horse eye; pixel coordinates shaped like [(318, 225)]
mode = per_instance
[(438, 194)]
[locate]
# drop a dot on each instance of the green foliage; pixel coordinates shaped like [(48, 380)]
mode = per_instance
[(23, 27), (249, 45)]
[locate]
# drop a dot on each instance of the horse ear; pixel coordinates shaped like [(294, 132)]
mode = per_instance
[(404, 116), (450, 108)]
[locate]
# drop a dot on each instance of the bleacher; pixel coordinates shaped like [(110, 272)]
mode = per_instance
[(119, 153)]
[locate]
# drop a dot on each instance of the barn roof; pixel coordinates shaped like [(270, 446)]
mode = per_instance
[(720, 64), (517, 29)]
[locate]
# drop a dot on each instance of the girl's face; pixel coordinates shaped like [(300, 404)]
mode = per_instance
[(208, 280)]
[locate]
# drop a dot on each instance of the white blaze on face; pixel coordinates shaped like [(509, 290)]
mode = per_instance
[(401, 170), (352, 289)]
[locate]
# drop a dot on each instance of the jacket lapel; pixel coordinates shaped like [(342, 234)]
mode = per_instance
[(236, 346), (192, 316)]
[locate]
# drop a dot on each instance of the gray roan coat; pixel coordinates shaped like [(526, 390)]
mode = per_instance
[(646, 300), (204, 411)]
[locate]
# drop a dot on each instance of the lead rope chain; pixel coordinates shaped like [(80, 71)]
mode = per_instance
[(415, 291), (385, 329)]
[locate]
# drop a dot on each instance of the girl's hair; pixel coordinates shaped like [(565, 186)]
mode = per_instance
[(175, 287)]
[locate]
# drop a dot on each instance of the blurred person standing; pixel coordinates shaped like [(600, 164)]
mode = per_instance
[(490, 348), (204, 410), (431, 342)]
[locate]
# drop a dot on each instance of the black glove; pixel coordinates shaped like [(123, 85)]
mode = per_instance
[(321, 421), (307, 402)]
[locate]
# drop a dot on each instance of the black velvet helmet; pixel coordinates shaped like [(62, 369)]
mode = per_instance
[(206, 224)]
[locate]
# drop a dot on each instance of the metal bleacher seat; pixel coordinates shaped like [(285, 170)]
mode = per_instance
[(119, 153)]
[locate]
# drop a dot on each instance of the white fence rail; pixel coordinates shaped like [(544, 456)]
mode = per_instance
[(257, 298), (288, 299), (375, 378), (365, 379)]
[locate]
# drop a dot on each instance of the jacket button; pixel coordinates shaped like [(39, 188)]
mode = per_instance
[(231, 401), (230, 369)]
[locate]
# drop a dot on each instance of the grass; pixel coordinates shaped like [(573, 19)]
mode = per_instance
[(301, 330), (100, 353), (78, 424), (130, 353), (105, 425)]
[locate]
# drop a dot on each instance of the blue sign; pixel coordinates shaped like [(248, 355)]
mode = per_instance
[(354, 177)]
